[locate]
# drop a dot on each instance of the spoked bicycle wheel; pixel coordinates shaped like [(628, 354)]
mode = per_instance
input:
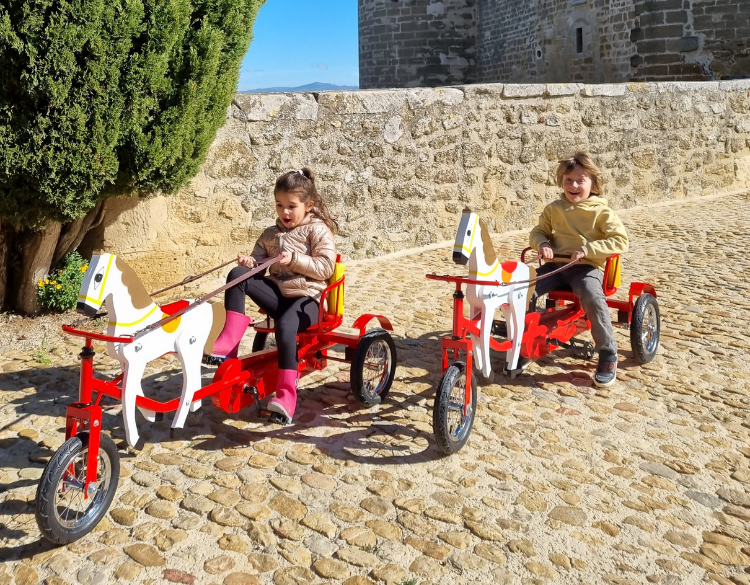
[(373, 367), (451, 422), (62, 513)]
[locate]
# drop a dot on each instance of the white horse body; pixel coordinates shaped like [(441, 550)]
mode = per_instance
[(474, 246), (110, 281)]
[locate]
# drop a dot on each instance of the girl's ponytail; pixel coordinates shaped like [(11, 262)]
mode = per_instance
[(303, 182)]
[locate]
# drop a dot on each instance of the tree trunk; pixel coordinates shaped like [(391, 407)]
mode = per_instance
[(72, 233), (6, 241), (35, 250)]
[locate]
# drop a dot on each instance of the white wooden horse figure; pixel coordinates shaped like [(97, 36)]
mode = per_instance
[(110, 281), (473, 246)]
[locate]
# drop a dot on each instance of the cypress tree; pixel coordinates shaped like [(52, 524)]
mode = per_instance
[(103, 98)]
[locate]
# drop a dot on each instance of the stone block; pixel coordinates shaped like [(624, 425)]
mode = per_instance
[(563, 89), (523, 90), (605, 89)]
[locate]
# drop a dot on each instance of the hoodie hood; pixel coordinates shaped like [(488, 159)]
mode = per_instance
[(592, 202)]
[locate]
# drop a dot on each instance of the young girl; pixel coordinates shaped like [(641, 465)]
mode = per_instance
[(290, 294)]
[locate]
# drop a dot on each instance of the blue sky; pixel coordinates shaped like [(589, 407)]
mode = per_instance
[(301, 41)]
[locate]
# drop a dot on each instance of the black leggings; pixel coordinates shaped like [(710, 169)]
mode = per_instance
[(290, 315)]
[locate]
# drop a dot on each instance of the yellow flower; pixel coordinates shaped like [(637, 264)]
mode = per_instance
[(46, 281), (60, 271), (84, 268), (41, 282), (58, 287), (54, 282)]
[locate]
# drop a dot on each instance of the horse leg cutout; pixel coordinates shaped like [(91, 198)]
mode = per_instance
[(131, 388), (190, 358)]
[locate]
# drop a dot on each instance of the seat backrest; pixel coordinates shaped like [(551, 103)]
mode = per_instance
[(612, 277), (335, 299)]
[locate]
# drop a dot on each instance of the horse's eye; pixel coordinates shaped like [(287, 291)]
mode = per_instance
[(99, 277), (468, 233)]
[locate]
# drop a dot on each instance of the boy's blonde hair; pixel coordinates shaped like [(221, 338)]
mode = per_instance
[(581, 159)]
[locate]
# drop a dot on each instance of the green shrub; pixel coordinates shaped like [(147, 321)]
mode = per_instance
[(59, 291)]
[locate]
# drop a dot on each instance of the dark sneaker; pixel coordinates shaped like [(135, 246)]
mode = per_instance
[(606, 370)]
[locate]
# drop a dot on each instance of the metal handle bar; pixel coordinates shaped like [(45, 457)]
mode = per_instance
[(98, 336), (461, 279), (495, 283)]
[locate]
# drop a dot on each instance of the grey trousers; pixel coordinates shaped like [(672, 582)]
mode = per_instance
[(586, 283)]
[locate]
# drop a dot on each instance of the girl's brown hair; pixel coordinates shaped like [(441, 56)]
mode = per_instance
[(302, 182), (582, 159)]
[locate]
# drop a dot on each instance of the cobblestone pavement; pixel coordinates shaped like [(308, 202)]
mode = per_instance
[(644, 482)]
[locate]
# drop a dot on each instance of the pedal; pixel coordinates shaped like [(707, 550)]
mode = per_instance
[(499, 328), (213, 360), (577, 347)]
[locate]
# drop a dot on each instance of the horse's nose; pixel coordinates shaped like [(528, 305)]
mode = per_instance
[(85, 309), (460, 257)]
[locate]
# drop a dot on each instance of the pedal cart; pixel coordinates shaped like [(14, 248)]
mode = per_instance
[(80, 480), (545, 330)]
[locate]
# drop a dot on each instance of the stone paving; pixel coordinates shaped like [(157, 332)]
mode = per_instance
[(644, 482)]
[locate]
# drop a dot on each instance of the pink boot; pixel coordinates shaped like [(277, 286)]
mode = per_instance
[(286, 394), (228, 342)]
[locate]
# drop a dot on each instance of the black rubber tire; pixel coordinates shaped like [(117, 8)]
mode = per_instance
[(448, 440), (263, 340), (46, 516), (645, 328), (383, 341)]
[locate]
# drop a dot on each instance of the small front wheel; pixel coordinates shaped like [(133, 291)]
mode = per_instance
[(645, 327), (373, 367), (62, 513), (451, 420)]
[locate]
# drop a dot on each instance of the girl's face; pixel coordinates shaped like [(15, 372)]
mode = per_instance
[(290, 209), (577, 185)]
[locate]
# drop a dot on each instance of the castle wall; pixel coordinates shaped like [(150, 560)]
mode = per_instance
[(553, 41), (416, 43), (704, 39), (398, 166)]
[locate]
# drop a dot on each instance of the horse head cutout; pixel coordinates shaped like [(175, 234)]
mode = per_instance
[(473, 247), (111, 282)]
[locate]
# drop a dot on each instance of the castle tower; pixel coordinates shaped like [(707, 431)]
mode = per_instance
[(407, 43), (416, 43)]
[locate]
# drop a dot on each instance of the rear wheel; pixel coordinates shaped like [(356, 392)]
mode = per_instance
[(645, 327), (373, 367), (62, 513), (451, 422)]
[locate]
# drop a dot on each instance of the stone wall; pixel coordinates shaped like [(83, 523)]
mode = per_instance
[(421, 43), (397, 167)]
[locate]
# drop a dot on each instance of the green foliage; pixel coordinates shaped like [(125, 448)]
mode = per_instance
[(105, 97), (42, 354), (59, 291)]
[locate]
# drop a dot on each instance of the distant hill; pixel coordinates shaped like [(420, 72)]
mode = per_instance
[(317, 86)]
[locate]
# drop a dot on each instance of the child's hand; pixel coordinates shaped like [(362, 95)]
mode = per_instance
[(286, 258), (246, 261), (545, 251), (577, 255)]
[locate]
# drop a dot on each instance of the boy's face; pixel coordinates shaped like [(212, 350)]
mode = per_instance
[(577, 185)]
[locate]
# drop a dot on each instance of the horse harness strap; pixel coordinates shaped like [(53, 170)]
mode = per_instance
[(542, 277), (259, 268), (192, 278)]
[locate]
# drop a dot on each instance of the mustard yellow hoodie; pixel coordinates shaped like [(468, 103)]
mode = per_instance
[(590, 226)]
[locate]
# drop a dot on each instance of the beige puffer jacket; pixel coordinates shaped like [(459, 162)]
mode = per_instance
[(313, 256)]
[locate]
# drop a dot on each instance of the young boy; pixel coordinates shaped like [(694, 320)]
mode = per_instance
[(580, 225)]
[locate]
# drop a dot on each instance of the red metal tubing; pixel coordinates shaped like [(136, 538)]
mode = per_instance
[(88, 335), (457, 279)]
